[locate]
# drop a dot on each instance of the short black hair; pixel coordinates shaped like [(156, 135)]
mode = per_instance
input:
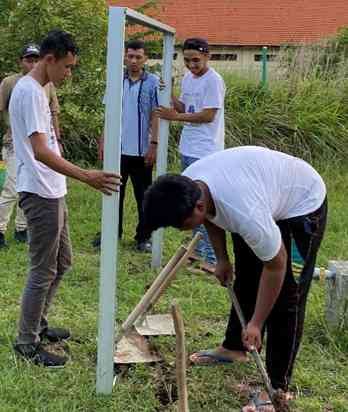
[(59, 43), (196, 43), (135, 45), (170, 201)]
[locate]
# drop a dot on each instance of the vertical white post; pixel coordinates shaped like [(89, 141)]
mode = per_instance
[(109, 239), (165, 97), (337, 296)]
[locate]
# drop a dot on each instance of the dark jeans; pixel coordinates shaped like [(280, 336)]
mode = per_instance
[(50, 259), (141, 178), (285, 323), (204, 248)]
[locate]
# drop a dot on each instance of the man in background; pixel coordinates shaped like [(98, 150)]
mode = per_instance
[(201, 108), (139, 140), (8, 199)]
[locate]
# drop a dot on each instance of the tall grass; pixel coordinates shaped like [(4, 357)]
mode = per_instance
[(320, 380), (303, 110)]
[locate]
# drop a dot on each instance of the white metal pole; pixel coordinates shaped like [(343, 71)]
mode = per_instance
[(165, 97), (109, 238), (147, 21)]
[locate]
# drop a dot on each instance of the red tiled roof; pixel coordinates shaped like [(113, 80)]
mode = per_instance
[(250, 22)]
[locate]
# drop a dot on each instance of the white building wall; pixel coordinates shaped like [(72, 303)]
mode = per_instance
[(244, 64)]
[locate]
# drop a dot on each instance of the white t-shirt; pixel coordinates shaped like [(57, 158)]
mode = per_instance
[(253, 187), (29, 113), (198, 93)]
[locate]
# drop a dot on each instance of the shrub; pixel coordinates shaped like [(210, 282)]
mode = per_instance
[(303, 112)]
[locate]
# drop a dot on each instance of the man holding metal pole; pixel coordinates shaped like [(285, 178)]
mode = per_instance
[(201, 108), (41, 184), (265, 199), (139, 140)]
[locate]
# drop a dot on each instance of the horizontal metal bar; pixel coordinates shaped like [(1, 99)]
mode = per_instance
[(148, 21), (321, 273)]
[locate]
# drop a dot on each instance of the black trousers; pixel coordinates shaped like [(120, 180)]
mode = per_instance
[(284, 325), (133, 167)]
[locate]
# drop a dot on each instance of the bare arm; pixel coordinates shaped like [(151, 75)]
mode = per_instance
[(205, 116), (271, 282), (55, 121), (54, 107), (178, 105), (224, 269), (4, 99), (150, 155), (101, 147), (2, 118), (154, 125), (217, 237), (105, 182)]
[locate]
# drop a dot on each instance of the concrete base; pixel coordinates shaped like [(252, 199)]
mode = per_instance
[(337, 295)]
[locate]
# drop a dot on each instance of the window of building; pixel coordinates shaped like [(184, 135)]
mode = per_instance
[(158, 56), (270, 57), (224, 57)]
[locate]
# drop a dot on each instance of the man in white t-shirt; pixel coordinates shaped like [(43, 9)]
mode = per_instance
[(41, 172), (201, 108), (265, 199)]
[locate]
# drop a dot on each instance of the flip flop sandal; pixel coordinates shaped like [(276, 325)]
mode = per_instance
[(195, 269), (200, 268), (208, 268), (254, 400), (194, 258), (215, 358)]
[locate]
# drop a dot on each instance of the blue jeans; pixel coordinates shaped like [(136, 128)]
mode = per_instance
[(204, 248)]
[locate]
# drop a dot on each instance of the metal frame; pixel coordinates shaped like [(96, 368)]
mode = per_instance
[(112, 153)]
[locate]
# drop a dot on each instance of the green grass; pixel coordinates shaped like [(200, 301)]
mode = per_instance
[(320, 378)]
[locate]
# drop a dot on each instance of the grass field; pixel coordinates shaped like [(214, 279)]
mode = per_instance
[(320, 380)]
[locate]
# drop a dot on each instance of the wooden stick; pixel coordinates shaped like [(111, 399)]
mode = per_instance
[(142, 306), (255, 354), (180, 358), (168, 279), (159, 285)]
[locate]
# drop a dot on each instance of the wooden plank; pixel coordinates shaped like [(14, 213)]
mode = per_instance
[(158, 287), (180, 363)]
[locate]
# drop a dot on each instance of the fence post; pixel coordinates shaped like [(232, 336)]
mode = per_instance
[(264, 67), (337, 295)]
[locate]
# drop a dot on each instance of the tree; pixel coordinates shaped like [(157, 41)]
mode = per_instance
[(81, 98), (82, 111)]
